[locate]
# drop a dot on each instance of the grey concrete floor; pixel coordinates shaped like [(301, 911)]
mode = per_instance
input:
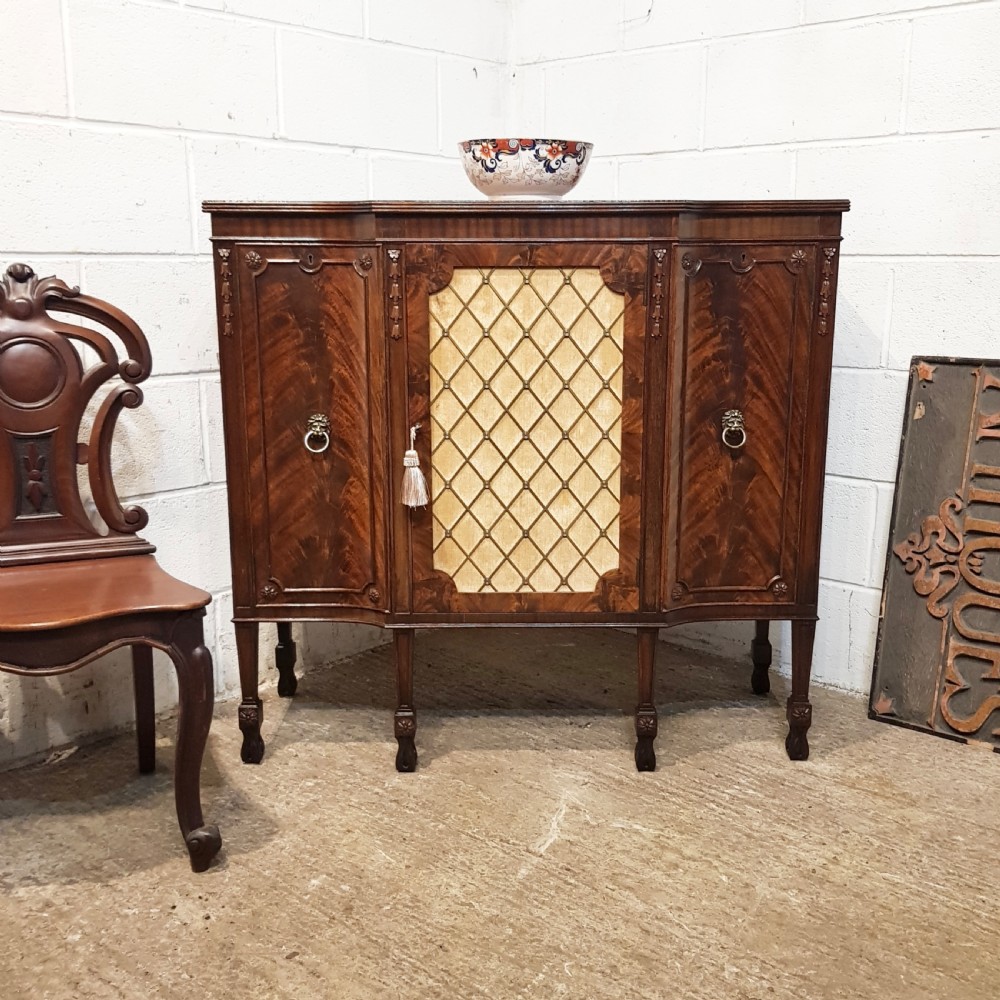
[(525, 857)]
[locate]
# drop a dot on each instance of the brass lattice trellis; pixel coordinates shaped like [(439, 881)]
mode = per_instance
[(526, 407)]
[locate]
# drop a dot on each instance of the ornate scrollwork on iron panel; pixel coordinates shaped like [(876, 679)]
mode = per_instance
[(937, 664)]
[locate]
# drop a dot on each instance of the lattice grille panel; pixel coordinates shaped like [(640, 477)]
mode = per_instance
[(526, 408)]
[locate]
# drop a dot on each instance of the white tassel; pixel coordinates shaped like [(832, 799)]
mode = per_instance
[(414, 484)]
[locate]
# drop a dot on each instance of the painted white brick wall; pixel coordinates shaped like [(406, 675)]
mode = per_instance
[(117, 118), (894, 104)]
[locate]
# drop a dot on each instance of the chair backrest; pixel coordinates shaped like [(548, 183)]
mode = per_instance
[(44, 391)]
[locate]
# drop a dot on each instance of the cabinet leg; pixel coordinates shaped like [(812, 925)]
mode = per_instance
[(798, 709), (251, 711), (284, 658), (145, 706), (760, 651), (405, 719), (645, 712)]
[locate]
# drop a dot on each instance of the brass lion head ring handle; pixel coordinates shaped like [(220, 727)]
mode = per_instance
[(317, 432), (734, 434)]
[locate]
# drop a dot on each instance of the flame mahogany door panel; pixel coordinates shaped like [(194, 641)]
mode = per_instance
[(525, 373), (740, 361), (313, 366)]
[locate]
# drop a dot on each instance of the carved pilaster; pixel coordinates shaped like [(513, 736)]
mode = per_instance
[(395, 294), (826, 289), (226, 294), (656, 313)]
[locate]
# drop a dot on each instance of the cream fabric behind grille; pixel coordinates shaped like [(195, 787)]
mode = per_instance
[(526, 405)]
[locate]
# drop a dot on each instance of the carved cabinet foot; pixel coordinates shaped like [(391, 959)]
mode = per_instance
[(761, 653), (203, 844), (405, 727), (645, 731), (284, 659), (798, 709), (405, 719), (799, 720), (251, 716), (645, 713)]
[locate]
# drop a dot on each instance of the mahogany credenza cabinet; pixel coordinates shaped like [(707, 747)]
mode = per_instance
[(619, 409)]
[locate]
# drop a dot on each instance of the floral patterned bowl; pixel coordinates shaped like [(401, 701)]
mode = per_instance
[(539, 168)]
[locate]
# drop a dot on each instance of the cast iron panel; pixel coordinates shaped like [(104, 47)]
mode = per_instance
[(937, 662)]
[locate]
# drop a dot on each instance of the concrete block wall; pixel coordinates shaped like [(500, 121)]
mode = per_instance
[(117, 117), (894, 104)]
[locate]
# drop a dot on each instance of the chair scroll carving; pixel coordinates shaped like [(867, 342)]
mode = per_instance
[(44, 393)]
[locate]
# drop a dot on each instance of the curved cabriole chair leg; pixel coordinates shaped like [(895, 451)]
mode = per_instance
[(196, 697)]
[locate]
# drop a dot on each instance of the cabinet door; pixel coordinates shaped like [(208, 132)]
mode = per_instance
[(525, 372), (314, 383), (739, 368)]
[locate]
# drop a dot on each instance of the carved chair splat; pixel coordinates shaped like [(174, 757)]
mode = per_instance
[(70, 591)]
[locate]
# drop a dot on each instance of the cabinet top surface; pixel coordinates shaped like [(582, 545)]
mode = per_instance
[(514, 206)]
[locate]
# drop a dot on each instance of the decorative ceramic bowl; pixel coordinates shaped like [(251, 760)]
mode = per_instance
[(538, 168)]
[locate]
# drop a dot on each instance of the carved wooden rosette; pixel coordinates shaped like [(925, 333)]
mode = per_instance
[(799, 716), (44, 392), (248, 715), (404, 724), (646, 723)]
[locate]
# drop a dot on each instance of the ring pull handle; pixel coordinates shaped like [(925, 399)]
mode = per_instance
[(317, 430), (734, 434)]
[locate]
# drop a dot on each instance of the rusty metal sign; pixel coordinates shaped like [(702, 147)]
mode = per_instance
[(937, 662)]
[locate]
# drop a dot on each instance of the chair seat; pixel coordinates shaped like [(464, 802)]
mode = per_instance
[(56, 595)]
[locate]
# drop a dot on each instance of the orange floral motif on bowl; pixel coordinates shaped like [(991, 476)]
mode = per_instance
[(535, 167)]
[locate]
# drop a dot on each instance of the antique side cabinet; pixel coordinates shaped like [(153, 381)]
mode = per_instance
[(620, 410)]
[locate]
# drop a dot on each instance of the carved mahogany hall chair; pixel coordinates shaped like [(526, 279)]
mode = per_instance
[(69, 592)]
